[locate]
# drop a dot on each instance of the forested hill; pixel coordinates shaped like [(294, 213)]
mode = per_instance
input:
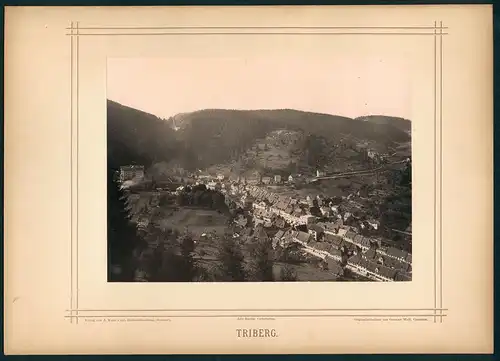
[(137, 137), (400, 123), (212, 136), (219, 133)]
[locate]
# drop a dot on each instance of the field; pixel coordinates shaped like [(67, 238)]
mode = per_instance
[(197, 221)]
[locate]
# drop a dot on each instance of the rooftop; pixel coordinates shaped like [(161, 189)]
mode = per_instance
[(302, 236), (396, 253)]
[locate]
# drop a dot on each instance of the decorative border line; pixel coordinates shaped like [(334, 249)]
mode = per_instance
[(258, 30), (438, 115), (253, 27), (74, 143), (251, 315), (75, 31)]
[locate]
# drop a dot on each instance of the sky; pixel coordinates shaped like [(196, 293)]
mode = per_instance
[(343, 86)]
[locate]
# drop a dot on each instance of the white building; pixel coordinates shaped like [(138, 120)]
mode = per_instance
[(129, 172)]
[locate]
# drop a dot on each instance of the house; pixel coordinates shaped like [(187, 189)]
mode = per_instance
[(343, 230), (260, 205), (320, 173), (337, 224), (310, 200), (204, 176), (334, 267), (279, 234), (362, 242), (370, 255), (386, 261), (335, 253), (371, 154), (277, 179), (280, 223), (326, 212), (330, 227), (349, 248), (301, 237), (307, 219), (277, 238), (220, 177), (266, 180), (252, 180), (397, 265), (290, 178), (382, 273), (396, 253), (334, 241), (402, 277), (247, 201), (364, 267), (334, 208), (316, 231), (373, 223), (131, 172), (349, 236), (298, 212)]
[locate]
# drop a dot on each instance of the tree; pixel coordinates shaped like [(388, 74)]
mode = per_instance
[(288, 274), (199, 187), (230, 259), (261, 266), (165, 264), (181, 199), (188, 264), (122, 236), (405, 178)]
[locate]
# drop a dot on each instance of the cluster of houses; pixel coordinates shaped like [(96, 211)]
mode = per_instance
[(361, 255), (223, 181), (382, 266), (338, 245)]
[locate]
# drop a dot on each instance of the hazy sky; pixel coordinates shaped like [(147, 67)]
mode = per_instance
[(342, 86)]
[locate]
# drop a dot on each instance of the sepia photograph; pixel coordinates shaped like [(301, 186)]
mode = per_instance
[(268, 166), (232, 172)]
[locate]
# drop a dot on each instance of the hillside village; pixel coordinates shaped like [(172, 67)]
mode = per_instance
[(258, 195), (337, 237)]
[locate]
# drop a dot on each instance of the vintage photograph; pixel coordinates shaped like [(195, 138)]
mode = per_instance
[(258, 170)]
